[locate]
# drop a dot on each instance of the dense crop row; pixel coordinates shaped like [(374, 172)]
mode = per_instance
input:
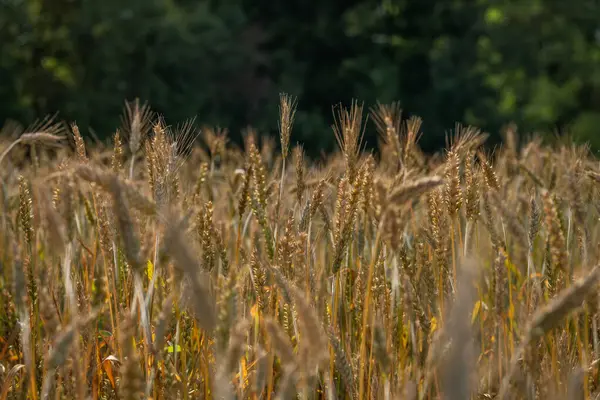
[(173, 264)]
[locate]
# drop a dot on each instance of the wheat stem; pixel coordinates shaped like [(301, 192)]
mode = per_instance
[(9, 148), (366, 313)]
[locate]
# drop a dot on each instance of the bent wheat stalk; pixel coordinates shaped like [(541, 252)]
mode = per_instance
[(33, 138), (548, 318)]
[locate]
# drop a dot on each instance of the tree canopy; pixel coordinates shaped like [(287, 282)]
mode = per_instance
[(481, 62)]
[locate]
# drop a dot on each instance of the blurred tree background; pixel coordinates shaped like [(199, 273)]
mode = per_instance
[(480, 62)]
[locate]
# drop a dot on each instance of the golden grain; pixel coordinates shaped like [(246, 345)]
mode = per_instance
[(346, 280)]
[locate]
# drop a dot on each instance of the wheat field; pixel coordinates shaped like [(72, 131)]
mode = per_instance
[(173, 264)]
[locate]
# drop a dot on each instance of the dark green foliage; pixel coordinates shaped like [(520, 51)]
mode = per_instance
[(484, 62)]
